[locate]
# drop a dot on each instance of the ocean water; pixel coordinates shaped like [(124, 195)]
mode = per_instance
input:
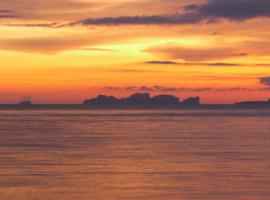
[(135, 155)]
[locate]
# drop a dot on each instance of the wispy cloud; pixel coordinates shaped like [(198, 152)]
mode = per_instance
[(31, 25), (156, 62), (214, 64), (196, 54), (182, 89), (7, 14), (159, 62), (143, 20)]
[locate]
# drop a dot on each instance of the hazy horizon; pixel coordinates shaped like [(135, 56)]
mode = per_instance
[(33, 101)]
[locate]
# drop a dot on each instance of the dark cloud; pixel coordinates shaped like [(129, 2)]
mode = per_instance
[(6, 11), (184, 89), (156, 62), (234, 89), (209, 12), (7, 14), (157, 89), (231, 9), (221, 64), (40, 25), (159, 62), (188, 18), (152, 88), (265, 81)]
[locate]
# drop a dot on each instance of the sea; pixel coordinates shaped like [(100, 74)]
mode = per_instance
[(219, 154)]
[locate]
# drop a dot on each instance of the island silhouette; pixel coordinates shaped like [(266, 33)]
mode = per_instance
[(25, 103), (138, 101), (254, 103)]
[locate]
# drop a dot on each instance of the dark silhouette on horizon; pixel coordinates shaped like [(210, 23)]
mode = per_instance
[(26, 103), (253, 103), (140, 100), (191, 101)]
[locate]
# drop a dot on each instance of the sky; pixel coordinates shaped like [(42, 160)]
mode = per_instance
[(55, 51)]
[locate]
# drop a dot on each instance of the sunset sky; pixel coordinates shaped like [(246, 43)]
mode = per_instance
[(56, 51)]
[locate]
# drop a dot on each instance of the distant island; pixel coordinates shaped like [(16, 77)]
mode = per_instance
[(253, 103), (141, 100), (26, 103)]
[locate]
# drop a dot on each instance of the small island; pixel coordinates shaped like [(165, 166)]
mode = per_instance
[(253, 103)]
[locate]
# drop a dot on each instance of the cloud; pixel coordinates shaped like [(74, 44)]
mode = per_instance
[(195, 55), (49, 45), (156, 89), (215, 64), (156, 62), (234, 89), (264, 89), (58, 43), (265, 81), (183, 89), (75, 10), (40, 25), (7, 14), (6, 11), (221, 64), (211, 11), (146, 12), (111, 88), (97, 49), (188, 18), (49, 9), (231, 9)]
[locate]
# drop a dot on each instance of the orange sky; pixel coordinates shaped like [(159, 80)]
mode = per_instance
[(64, 51)]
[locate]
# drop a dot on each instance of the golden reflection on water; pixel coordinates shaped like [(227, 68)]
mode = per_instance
[(155, 155)]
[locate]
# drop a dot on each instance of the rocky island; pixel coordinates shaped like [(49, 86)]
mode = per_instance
[(140, 100)]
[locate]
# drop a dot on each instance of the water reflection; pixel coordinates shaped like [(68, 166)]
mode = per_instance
[(189, 155)]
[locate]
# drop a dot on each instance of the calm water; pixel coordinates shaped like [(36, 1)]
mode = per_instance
[(135, 155)]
